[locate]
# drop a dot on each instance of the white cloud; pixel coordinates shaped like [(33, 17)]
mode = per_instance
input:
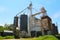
[(1, 24)]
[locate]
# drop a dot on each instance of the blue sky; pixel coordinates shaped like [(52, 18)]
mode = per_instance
[(9, 8)]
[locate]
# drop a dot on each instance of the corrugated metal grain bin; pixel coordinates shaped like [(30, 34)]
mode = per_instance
[(24, 23)]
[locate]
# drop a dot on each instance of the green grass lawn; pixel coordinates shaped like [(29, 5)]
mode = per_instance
[(46, 37)]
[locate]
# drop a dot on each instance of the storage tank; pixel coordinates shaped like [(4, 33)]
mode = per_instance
[(24, 23), (15, 22)]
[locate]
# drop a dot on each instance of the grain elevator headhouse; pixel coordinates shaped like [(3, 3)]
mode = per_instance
[(46, 24)]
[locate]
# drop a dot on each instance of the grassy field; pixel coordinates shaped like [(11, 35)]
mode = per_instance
[(47, 37)]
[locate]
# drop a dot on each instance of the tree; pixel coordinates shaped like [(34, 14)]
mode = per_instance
[(11, 26), (1, 28), (8, 27)]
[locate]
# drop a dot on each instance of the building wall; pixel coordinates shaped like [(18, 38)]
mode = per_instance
[(35, 33), (35, 24), (54, 29), (35, 27), (46, 24)]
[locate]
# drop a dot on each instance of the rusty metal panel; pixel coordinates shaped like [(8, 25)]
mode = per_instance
[(16, 21)]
